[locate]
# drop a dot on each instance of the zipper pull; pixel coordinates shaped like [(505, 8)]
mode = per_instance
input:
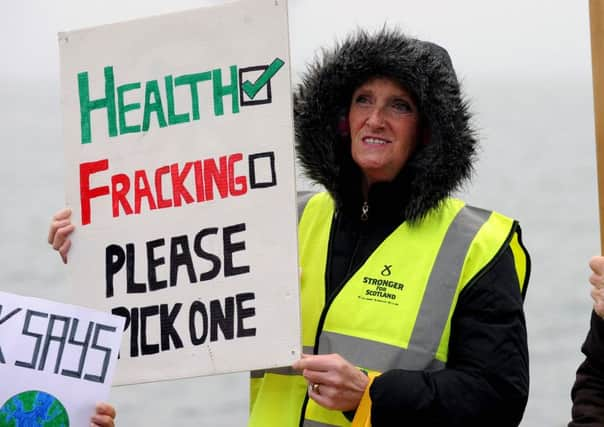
[(365, 211)]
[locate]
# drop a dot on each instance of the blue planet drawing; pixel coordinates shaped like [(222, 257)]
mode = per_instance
[(33, 408)]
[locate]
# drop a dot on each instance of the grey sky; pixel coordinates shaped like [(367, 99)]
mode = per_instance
[(534, 36)]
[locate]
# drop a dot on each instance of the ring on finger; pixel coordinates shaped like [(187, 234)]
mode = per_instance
[(315, 388)]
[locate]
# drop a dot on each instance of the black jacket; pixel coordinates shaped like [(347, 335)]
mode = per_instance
[(487, 375), (588, 391)]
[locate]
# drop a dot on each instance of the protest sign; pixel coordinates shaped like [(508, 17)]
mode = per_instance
[(56, 361), (180, 173)]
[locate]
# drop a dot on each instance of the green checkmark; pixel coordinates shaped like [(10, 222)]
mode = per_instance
[(252, 89)]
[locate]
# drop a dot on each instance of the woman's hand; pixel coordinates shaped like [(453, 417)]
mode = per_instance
[(597, 281), (58, 234), (104, 416), (334, 383)]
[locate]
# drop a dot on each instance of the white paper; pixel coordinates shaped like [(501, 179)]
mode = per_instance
[(56, 361)]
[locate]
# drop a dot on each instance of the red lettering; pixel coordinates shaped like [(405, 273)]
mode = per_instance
[(141, 190), (87, 193), (198, 181), (120, 185), (178, 187), (213, 175), (237, 184), (130, 191), (161, 202)]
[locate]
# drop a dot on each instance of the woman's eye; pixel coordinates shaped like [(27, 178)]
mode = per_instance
[(362, 99), (402, 106)]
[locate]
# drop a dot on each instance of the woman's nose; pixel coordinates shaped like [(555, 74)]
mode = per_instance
[(376, 118)]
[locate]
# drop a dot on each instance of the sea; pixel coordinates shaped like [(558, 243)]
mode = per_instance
[(536, 163)]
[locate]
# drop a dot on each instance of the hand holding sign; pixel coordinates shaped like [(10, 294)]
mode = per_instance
[(58, 234), (335, 382), (104, 416)]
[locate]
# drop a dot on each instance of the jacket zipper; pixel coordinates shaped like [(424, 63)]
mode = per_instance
[(365, 211)]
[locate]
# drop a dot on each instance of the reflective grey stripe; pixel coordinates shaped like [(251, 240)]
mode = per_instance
[(442, 284), (302, 199), (375, 355), (434, 310), (307, 349), (284, 370), (309, 423)]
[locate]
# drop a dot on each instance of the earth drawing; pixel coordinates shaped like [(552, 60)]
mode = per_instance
[(33, 408)]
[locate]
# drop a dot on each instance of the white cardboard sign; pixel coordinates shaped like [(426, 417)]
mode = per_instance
[(180, 173), (56, 361)]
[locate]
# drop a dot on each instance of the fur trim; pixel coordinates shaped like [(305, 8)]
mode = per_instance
[(322, 99)]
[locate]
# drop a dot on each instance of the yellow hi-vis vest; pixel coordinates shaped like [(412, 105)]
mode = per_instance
[(394, 312)]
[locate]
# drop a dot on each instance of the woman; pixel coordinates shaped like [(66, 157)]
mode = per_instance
[(398, 279)]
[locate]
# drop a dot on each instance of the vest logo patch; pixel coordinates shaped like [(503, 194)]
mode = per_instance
[(382, 290), (386, 271)]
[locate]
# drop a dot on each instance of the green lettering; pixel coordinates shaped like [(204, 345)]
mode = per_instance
[(124, 108), (87, 105), (152, 89), (220, 91), (192, 80), (173, 118)]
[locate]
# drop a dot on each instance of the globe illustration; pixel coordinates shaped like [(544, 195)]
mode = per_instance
[(33, 408)]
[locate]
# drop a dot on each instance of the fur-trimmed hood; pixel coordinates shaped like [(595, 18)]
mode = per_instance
[(321, 102)]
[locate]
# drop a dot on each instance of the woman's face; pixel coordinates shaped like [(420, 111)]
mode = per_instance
[(383, 128)]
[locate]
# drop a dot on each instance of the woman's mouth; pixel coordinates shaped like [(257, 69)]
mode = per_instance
[(375, 141)]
